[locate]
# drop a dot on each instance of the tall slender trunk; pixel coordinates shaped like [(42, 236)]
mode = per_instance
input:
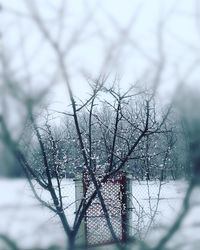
[(71, 242), (69, 233)]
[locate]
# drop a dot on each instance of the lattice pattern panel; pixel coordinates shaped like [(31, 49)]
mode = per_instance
[(97, 230)]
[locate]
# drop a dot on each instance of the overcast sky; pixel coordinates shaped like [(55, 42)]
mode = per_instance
[(131, 36)]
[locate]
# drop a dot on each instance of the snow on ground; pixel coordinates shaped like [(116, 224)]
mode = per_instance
[(25, 220), (30, 224), (188, 236)]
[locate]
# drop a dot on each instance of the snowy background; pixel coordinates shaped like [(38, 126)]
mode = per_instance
[(31, 225)]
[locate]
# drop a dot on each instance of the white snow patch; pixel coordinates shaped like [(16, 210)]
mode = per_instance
[(24, 219)]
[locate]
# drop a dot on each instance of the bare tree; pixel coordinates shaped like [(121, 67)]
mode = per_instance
[(107, 138)]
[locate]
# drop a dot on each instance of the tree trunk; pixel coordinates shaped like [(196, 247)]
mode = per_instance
[(71, 242)]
